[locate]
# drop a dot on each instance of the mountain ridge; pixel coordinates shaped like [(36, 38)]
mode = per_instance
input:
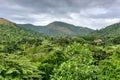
[(109, 31), (58, 28)]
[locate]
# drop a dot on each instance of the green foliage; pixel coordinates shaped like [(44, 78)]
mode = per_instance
[(78, 67), (27, 55), (100, 53), (116, 40), (56, 58), (73, 49), (110, 68), (62, 41), (10, 47), (18, 67), (47, 68), (53, 59)]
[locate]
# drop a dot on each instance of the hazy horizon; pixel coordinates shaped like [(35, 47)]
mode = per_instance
[(94, 14)]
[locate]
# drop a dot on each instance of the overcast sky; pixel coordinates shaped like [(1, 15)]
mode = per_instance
[(94, 14)]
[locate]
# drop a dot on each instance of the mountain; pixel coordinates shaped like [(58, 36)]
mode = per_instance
[(33, 27), (109, 31), (59, 29), (9, 31), (5, 22)]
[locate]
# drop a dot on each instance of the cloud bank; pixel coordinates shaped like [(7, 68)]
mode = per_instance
[(94, 14)]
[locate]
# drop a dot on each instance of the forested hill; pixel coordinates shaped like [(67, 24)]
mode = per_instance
[(11, 32), (59, 29), (27, 55), (109, 31)]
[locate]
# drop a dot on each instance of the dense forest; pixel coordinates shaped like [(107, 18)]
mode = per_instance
[(28, 55)]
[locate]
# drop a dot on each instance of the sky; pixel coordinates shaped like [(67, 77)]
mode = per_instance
[(95, 14)]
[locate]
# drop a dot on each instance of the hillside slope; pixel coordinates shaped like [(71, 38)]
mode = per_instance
[(109, 31), (59, 29), (9, 31)]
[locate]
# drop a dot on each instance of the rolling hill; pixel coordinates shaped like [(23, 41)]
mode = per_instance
[(59, 29), (9, 31), (16, 31), (109, 31)]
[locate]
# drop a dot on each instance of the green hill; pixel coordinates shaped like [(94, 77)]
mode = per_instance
[(59, 29), (27, 55), (9, 31), (109, 31)]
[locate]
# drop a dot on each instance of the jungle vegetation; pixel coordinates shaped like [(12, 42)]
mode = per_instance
[(28, 55)]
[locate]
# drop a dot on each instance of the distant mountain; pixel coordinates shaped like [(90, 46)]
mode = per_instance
[(109, 31), (9, 31), (33, 27), (59, 29)]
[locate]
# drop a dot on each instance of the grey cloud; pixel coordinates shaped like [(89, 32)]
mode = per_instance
[(58, 9), (59, 6)]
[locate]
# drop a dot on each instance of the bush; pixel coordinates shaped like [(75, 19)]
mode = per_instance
[(77, 68), (110, 68), (18, 68)]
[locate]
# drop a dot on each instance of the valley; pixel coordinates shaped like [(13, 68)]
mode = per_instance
[(58, 51)]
